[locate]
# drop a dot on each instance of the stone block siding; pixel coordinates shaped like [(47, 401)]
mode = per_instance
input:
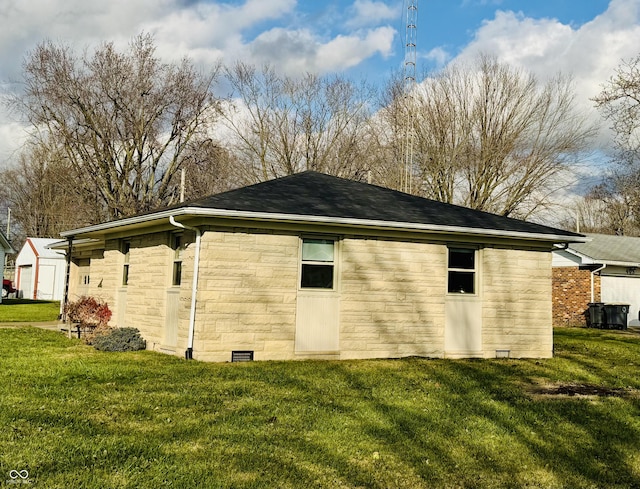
[(392, 295), (392, 298), (572, 294), (247, 295), (516, 302)]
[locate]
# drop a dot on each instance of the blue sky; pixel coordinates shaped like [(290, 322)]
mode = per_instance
[(359, 38)]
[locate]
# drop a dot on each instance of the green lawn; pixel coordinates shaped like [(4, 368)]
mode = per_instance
[(23, 310), (74, 417)]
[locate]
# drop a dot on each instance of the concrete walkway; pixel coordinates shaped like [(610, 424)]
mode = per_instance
[(51, 325)]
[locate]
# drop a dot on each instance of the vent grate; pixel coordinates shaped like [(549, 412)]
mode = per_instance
[(242, 356)]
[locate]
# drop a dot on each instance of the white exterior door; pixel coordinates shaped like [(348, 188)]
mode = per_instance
[(463, 327), (463, 304), (317, 322), (170, 339), (26, 282), (318, 300), (46, 282)]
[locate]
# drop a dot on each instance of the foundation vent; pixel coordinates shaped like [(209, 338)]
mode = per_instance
[(242, 356)]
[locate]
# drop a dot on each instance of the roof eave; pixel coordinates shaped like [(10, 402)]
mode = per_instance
[(141, 221)]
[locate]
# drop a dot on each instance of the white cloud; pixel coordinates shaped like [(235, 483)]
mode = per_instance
[(368, 12), (208, 31), (300, 51), (439, 56), (590, 53)]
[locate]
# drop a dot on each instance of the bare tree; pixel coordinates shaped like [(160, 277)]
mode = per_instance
[(123, 120), (44, 194), (619, 103), (492, 137), (208, 169), (283, 125), (613, 206)]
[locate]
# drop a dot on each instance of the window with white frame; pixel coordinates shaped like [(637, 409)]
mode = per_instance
[(318, 264), (461, 267), (126, 251), (178, 247)]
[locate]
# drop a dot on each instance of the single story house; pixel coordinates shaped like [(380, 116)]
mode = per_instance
[(315, 266), (5, 249), (604, 269), (40, 270)]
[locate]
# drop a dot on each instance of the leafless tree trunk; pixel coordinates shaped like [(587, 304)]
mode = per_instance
[(123, 121)]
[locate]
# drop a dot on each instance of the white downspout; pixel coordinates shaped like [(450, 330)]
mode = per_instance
[(194, 287), (593, 273)]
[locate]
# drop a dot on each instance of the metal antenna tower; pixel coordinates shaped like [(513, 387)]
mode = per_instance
[(409, 73)]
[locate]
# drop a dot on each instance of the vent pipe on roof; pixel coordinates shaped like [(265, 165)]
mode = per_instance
[(188, 354)]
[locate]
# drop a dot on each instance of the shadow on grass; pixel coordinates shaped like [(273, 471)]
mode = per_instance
[(145, 420)]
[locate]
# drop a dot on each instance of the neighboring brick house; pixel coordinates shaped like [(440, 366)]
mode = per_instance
[(604, 269), (314, 266)]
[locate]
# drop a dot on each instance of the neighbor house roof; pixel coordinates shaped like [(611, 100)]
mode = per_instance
[(4, 244), (312, 197), (607, 249)]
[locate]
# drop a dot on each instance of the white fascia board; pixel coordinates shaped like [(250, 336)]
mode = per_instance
[(64, 245), (340, 221)]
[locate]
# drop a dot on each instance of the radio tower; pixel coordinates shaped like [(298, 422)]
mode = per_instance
[(409, 73)]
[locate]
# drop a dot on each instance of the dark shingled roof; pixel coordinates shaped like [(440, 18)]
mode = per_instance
[(316, 194)]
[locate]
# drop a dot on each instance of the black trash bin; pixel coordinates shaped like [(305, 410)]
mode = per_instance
[(616, 315), (596, 315)]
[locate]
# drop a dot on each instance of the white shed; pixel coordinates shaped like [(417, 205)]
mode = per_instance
[(40, 271)]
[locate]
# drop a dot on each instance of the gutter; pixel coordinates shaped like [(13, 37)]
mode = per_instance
[(188, 354), (339, 221)]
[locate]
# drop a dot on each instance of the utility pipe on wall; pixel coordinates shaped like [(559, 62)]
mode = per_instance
[(593, 273), (194, 287)]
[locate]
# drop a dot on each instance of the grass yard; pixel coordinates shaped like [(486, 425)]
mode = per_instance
[(24, 310), (74, 417)]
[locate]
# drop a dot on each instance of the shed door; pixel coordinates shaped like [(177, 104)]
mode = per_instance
[(26, 282), (625, 290), (46, 282)]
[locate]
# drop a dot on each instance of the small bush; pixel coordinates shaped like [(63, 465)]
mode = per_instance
[(92, 333), (120, 339), (89, 312)]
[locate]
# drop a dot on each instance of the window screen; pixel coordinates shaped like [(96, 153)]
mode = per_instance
[(317, 264), (461, 271)]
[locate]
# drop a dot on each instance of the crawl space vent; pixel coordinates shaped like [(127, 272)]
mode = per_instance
[(242, 356)]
